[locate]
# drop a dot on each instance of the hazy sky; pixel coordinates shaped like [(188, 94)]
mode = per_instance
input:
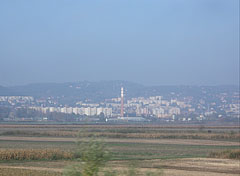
[(153, 42)]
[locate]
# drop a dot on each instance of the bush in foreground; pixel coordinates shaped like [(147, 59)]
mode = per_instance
[(93, 156)]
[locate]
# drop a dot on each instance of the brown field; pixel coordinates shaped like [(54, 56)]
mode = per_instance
[(179, 150), (188, 167)]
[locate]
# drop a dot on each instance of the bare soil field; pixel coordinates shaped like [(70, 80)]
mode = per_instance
[(226, 166), (176, 167)]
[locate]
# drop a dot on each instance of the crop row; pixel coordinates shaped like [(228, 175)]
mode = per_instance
[(40, 133), (36, 154)]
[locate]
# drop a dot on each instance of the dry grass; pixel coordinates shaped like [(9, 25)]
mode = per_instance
[(163, 135), (26, 172), (34, 154), (49, 133), (228, 154), (131, 135), (123, 131)]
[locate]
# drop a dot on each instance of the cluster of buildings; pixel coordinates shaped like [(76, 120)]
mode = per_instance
[(154, 106), (187, 108), (15, 100), (88, 111)]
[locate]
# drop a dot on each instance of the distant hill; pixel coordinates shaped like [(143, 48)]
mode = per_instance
[(5, 91), (81, 90), (97, 91)]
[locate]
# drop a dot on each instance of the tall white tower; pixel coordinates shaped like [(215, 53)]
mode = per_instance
[(122, 113)]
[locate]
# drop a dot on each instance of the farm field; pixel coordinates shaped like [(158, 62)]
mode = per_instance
[(172, 150)]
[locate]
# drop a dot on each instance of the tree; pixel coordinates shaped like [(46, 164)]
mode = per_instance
[(92, 156)]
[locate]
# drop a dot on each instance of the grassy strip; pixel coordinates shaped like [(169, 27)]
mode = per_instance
[(138, 134)]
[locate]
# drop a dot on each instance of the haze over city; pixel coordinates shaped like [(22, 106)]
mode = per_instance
[(165, 42), (119, 88)]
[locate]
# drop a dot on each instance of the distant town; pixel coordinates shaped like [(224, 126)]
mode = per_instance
[(170, 107)]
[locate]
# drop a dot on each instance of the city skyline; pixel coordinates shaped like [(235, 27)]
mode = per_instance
[(213, 104)]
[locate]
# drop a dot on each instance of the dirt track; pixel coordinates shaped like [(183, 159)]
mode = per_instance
[(153, 141)]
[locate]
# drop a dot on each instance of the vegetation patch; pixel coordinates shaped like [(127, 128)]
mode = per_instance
[(34, 154), (228, 154), (122, 131)]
